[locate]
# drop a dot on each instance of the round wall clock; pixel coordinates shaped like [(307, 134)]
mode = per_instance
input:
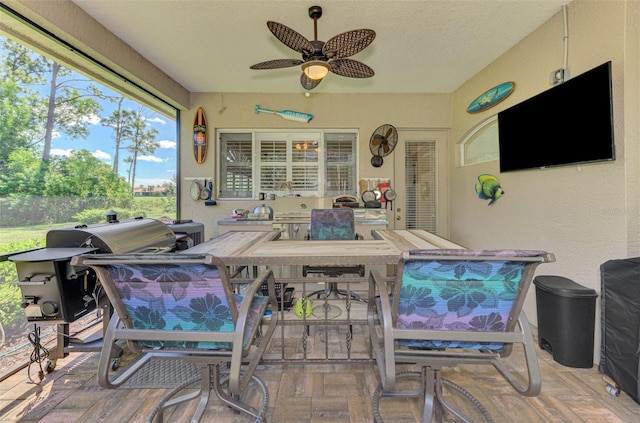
[(195, 190)]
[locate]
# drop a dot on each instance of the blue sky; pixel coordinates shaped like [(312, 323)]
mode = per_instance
[(152, 170)]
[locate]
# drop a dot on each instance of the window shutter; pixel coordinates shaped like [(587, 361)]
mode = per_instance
[(236, 179), (340, 163), (304, 165), (420, 177), (273, 164), (286, 163)]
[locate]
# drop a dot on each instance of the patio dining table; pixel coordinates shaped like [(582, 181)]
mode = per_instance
[(266, 249), (333, 339)]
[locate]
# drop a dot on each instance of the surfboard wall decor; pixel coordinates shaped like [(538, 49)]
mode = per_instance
[(200, 136), (491, 97)]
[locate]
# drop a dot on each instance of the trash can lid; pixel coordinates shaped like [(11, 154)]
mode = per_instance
[(563, 287)]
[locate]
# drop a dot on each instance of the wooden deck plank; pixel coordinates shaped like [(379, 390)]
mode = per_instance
[(306, 392)]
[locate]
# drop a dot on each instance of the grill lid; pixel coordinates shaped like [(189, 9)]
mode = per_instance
[(126, 236)]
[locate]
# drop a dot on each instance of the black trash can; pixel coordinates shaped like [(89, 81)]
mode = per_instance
[(566, 319)]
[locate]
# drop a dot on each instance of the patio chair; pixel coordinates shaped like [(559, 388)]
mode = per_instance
[(452, 307), (333, 224), (182, 307)]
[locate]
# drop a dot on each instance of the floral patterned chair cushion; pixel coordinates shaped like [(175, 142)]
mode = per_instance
[(181, 306), (332, 224), (335, 225), (459, 295), (170, 296), (452, 307)]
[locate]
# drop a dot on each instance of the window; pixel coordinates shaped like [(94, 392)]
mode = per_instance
[(76, 140), (421, 168), (236, 170), (480, 144), (340, 168), (287, 163)]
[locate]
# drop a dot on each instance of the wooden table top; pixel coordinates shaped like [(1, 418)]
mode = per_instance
[(413, 239), (264, 248)]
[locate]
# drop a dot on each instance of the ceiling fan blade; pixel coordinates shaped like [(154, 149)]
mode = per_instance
[(290, 38), (377, 140), (348, 43), (389, 132), (386, 148), (350, 68), (277, 64), (308, 83)]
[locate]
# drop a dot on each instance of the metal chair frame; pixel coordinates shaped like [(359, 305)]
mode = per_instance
[(332, 271), (386, 335), (246, 343)]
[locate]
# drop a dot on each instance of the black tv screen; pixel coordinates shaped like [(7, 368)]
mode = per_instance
[(570, 123)]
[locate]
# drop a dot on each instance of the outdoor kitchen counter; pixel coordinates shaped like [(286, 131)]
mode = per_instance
[(295, 225), (230, 224), (232, 221)]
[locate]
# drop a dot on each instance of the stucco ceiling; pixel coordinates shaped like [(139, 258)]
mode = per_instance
[(428, 46)]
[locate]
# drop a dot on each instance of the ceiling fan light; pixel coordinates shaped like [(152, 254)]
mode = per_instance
[(315, 69)]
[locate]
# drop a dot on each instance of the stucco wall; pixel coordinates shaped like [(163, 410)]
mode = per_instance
[(364, 112), (579, 213)]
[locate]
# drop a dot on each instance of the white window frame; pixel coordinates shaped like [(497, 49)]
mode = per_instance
[(289, 183), (292, 137), (483, 132)]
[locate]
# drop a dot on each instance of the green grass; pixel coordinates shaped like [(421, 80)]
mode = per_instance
[(152, 205), (23, 233)]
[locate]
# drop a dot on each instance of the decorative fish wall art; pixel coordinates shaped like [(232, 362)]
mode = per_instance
[(287, 114), (488, 188)]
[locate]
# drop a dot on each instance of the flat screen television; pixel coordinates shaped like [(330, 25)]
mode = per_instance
[(571, 123)]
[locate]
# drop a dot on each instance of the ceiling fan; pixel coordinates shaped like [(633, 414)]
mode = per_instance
[(320, 58)]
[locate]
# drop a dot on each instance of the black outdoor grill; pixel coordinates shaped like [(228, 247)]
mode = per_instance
[(53, 291), (56, 292)]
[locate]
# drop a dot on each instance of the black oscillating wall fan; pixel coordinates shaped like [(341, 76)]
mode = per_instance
[(318, 57), (382, 142)]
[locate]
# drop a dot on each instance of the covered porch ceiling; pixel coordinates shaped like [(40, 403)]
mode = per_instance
[(428, 46)]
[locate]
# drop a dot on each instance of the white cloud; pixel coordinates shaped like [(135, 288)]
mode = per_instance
[(167, 144), (152, 159), (92, 119), (99, 154), (157, 120), (61, 152)]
